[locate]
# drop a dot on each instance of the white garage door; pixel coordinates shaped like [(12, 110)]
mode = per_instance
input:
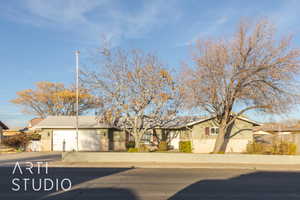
[(64, 136), (88, 140)]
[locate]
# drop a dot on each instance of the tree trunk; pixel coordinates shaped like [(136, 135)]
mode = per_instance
[(136, 139), (219, 144)]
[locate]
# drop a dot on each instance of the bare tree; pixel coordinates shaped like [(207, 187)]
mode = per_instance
[(251, 70), (138, 92), (54, 99)]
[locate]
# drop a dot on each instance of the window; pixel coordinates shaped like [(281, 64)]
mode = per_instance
[(211, 131), (214, 131)]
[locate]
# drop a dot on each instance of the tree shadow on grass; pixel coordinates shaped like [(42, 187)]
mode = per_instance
[(76, 175), (257, 185)]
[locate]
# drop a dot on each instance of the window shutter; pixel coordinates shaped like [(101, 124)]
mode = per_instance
[(207, 131)]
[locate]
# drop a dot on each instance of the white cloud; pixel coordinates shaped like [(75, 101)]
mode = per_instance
[(92, 19), (222, 20), (208, 29)]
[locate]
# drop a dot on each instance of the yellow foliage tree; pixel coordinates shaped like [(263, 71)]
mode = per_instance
[(54, 99)]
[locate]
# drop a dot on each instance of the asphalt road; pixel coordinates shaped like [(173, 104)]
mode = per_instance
[(133, 183)]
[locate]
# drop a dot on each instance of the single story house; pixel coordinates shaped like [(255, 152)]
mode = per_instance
[(204, 133), (58, 133), (2, 128)]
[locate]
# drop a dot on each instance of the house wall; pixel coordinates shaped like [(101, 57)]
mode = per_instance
[(104, 143), (119, 141), (173, 136), (241, 135), (34, 145), (46, 139)]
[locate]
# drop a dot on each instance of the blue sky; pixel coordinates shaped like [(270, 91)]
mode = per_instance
[(39, 37)]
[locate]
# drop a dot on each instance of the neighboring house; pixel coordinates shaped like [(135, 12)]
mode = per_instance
[(289, 132), (278, 128), (2, 128), (58, 133), (13, 131)]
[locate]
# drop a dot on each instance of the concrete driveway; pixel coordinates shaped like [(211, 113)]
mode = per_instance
[(135, 184)]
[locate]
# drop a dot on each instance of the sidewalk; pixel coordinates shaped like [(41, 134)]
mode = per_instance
[(269, 167)]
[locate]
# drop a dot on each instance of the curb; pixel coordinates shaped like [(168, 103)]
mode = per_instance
[(176, 165)]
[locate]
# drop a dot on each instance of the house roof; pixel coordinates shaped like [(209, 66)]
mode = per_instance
[(3, 125), (11, 132), (70, 122), (278, 127), (209, 118)]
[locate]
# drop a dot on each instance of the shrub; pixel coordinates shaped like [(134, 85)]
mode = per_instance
[(133, 150), (34, 136), (18, 141), (143, 148), (185, 146), (255, 148), (163, 146), (278, 148), (284, 148), (130, 144), (292, 149)]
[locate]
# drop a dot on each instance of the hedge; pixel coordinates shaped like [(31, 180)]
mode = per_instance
[(163, 146), (279, 148), (185, 146)]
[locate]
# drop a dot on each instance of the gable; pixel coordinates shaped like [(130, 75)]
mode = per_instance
[(212, 123)]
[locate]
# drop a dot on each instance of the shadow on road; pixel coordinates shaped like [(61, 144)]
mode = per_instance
[(257, 185), (76, 175), (96, 194), (87, 185)]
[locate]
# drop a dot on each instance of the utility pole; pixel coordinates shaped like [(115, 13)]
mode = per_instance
[(77, 96)]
